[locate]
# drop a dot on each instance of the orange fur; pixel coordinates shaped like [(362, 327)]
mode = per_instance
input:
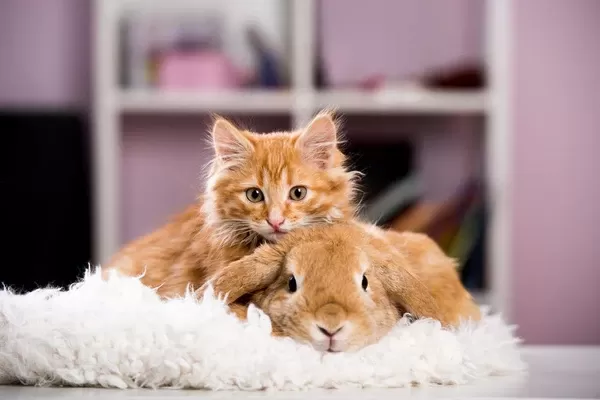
[(224, 225), (427, 262), (406, 272)]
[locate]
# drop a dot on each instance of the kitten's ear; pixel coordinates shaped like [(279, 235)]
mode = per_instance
[(318, 141), (228, 141)]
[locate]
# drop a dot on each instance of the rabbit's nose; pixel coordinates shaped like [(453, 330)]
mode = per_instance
[(330, 319), (329, 332)]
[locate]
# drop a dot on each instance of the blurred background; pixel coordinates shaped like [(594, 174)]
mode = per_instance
[(477, 122)]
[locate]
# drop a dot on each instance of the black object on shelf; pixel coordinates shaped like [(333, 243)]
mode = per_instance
[(473, 274), (384, 165), (45, 198)]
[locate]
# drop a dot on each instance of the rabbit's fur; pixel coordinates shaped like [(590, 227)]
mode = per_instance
[(331, 266)]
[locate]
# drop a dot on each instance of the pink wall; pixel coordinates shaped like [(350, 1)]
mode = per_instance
[(162, 162), (398, 39), (556, 224), (44, 53)]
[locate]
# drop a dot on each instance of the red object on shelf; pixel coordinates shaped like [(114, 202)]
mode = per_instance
[(372, 83)]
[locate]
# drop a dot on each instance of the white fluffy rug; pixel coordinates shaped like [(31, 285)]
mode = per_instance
[(120, 334)]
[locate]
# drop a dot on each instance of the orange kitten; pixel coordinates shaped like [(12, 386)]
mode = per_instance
[(259, 187)]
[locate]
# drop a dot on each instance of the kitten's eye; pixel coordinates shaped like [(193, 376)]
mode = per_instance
[(297, 193), (292, 284), (255, 195), (365, 283)]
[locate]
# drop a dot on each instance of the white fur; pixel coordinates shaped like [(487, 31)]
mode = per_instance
[(118, 333)]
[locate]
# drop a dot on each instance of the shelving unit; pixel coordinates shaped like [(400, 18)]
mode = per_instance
[(300, 102), (412, 101)]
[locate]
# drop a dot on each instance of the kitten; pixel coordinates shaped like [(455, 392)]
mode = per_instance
[(259, 187)]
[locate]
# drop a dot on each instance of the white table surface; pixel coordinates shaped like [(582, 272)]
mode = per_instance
[(554, 372)]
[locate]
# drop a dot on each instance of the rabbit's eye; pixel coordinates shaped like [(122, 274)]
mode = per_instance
[(292, 284), (365, 282)]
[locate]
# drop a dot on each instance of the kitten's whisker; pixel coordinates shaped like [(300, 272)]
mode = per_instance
[(235, 231)]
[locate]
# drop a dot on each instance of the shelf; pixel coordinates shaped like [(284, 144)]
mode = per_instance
[(417, 101), (254, 101)]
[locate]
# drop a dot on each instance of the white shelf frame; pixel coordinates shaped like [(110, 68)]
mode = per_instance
[(300, 102), (498, 152), (414, 101)]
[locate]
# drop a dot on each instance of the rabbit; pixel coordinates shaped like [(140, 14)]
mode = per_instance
[(343, 286)]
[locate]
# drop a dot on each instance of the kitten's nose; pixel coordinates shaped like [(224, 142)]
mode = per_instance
[(275, 224)]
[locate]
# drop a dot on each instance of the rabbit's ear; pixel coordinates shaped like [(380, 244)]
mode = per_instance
[(399, 269), (251, 273), (406, 290), (419, 277)]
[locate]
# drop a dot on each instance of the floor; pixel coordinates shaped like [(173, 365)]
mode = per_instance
[(555, 372)]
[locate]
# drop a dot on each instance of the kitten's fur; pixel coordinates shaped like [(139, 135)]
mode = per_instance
[(224, 225)]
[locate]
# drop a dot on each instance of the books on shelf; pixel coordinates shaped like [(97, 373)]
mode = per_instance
[(392, 200), (457, 225)]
